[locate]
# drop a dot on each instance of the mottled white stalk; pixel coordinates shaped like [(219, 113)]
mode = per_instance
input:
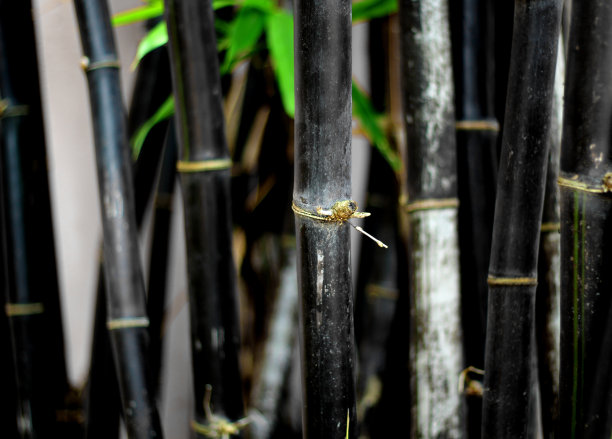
[(277, 353), (436, 351)]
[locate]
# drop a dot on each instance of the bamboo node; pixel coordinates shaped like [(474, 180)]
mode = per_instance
[(217, 426), (374, 291), (8, 110), (23, 309), (607, 182), (550, 227), (431, 204), (340, 212), (127, 322), (509, 281), (88, 66), (203, 165), (477, 125), (469, 386), (578, 185)]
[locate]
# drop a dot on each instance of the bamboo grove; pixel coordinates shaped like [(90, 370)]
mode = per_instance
[(479, 304)]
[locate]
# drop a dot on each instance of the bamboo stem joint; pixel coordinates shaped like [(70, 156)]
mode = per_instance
[(186, 166), (431, 204), (88, 66), (477, 125), (577, 185), (23, 309), (127, 322), (511, 281)]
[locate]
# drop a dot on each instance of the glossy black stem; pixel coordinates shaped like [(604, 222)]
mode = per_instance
[(322, 47), (152, 87), (510, 375), (29, 248), (206, 200), (158, 261), (8, 407), (123, 274), (472, 31), (548, 289), (101, 396), (586, 218)]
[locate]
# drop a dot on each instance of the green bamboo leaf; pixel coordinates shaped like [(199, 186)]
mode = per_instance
[(267, 6), (155, 38), (165, 111), (279, 35), (155, 8), (134, 15), (242, 36), (367, 9), (369, 120)]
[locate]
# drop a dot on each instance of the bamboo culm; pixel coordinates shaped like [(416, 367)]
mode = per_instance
[(30, 280), (204, 170), (322, 46), (549, 277), (510, 399), (436, 353), (126, 310), (586, 221), (151, 87), (477, 160), (158, 262)]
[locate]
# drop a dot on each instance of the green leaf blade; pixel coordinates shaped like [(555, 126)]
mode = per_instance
[(165, 111), (365, 10), (138, 14), (154, 39), (279, 35), (369, 120), (242, 36)]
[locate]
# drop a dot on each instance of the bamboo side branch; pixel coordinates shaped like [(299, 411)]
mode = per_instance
[(436, 354), (510, 398), (586, 221), (126, 310), (322, 47), (204, 169)]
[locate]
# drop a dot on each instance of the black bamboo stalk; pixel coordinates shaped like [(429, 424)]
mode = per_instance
[(8, 398), (126, 311), (509, 399), (151, 88), (477, 132), (322, 47), (205, 179), (548, 289), (436, 356), (158, 262), (586, 218), (102, 400), (31, 286)]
